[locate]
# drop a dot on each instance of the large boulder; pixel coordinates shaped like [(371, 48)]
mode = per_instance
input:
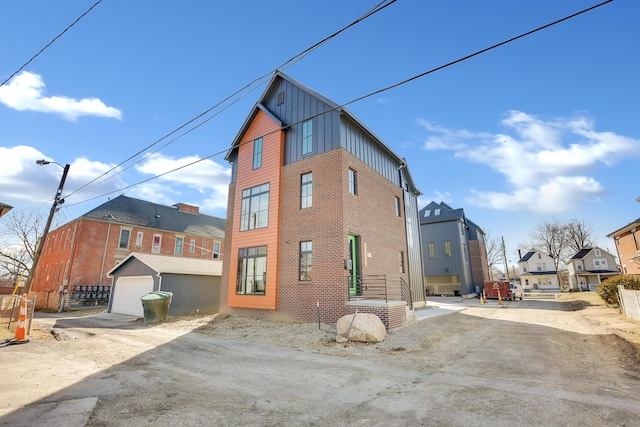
[(363, 327)]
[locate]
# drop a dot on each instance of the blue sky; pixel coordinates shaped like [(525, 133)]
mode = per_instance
[(543, 128)]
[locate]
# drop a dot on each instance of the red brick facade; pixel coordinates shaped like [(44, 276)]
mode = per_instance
[(84, 250), (628, 248), (335, 213)]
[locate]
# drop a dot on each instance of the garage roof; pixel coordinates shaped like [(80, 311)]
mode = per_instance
[(174, 265)]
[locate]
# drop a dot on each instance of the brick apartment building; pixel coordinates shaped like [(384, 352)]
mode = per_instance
[(77, 256), (627, 241), (319, 208)]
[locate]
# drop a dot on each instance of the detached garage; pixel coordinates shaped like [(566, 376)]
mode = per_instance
[(194, 283)]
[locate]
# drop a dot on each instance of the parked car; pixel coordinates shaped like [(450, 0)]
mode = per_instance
[(516, 291)]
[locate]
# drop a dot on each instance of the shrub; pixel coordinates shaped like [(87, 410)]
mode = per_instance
[(608, 290)]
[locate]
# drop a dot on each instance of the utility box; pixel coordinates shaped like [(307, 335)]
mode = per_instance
[(156, 307)]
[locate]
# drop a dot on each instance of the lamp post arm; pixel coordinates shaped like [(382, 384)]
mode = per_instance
[(36, 257)]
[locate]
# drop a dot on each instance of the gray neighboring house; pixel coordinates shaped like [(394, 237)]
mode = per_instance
[(589, 267), (454, 251), (194, 283)]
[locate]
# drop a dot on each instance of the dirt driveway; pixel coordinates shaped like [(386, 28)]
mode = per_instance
[(569, 361)]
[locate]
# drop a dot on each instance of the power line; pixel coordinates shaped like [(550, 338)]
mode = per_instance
[(50, 43), (417, 76), (288, 63)]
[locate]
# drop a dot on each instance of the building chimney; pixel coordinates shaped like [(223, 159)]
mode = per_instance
[(519, 254), (183, 207)]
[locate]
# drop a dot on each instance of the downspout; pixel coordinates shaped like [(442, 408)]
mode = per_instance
[(104, 254)]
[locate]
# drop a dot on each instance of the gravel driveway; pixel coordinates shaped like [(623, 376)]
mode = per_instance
[(569, 361)]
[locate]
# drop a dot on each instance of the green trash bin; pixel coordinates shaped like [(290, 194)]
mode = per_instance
[(156, 307)]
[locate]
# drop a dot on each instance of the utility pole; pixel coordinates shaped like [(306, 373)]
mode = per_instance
[(56, 201), (504, 257)]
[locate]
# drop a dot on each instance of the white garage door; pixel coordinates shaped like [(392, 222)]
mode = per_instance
[(127, 293)]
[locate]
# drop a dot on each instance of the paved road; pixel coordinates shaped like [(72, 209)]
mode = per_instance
[(524, 363)]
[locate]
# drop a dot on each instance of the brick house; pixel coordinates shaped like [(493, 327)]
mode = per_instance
[(77, 256), (454, 249), (627, 241), (320, 210)]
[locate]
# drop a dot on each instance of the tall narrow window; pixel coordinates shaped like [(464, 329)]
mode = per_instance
[(353, 182), (306, 190), (432, 250), (401, 261), (257, 153), (157, 244), (192, 245), (179, 244), (139, 237), (252, 271), (635, 239), (216, 250), (124, 238), (398, 207), (306, 260), (307, 137), (255, 208), (447, 248)]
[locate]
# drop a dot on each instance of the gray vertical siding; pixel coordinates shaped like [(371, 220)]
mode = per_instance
[(192, 294), (414, 244)]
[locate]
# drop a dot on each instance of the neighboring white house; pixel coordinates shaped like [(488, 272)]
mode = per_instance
[(538, 272), (589, 267)]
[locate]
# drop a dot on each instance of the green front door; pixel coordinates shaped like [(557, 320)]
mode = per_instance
[(354, 287)]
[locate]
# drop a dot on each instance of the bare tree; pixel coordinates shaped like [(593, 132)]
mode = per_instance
[(579, 235), (494, 253), (551, 238), (18, 241)]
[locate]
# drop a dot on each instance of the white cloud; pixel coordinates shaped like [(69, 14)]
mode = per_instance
[(442, 138), (25, 92), (546, 163), (23, 182), (207, 177)]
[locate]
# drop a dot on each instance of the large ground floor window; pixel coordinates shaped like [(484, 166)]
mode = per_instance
[(252, 271)]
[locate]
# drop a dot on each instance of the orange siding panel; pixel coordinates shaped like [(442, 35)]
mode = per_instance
[(247, 177)]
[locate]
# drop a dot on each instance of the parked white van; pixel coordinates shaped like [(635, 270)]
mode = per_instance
[(517, 291)]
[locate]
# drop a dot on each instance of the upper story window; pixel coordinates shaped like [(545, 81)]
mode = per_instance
[(307, 137), (432, 249), (398, 207), (216, 250), (139, 237), (306, 190), (255, 208), (124, 238), (353, 182), (597, 252), (192, 245), (257, 153), (447, 248), (436, 212), (600, 264), (579, 266), (156, 244), (179, 244), (401, 261), (427, 213)]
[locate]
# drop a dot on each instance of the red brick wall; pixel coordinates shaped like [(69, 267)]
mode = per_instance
[(335, 213), (626, 250)]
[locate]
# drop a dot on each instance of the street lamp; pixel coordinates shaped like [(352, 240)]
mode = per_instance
[(56, 201)]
